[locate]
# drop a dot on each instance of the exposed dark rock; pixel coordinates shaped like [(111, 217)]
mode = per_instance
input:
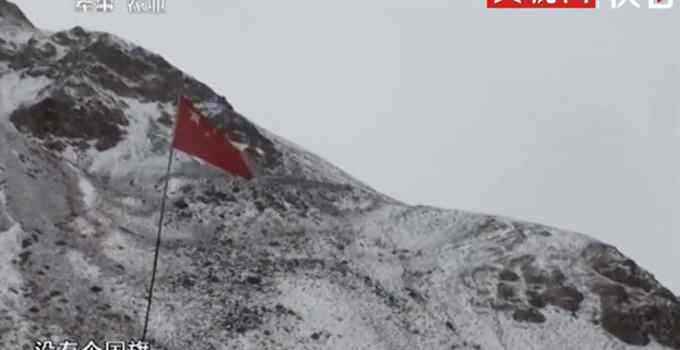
[(536, 300), (565, 297), (217, 197), (653, 311), (530, 315), (612, 293), (181, 204), (609, 262), (60, 117), (535, 275), (32, 54), (26, 242), (163, 80), (506, 291), (544, 233), (24, 256), (624, 326), (634, 324), (10, 13), (253, 280), (663, 292), (546, 287), (503, 306), (557, 277), (187, 282), (55, 145), (187, 188), (508, 275), (240, 318), (260, 206), (491, 224), (165, 119)]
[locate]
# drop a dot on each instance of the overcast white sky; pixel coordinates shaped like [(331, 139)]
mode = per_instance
[(567, 118)]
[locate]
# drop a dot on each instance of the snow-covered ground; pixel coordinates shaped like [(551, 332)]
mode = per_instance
[(303, 257), (17, 90)]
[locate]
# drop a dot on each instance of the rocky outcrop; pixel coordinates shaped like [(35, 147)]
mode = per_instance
[(635, 306), (58, 120), (94, 73), (10, 14)]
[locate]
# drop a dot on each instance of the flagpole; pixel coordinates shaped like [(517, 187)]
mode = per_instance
[(160, 220)]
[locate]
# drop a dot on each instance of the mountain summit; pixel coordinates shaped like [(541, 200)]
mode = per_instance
[(302, 257)]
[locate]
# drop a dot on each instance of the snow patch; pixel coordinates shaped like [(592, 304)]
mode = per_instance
[(324, 306), (70, 155), (3, 196), (122, 249), (61, 50), (240, 146), (88, 191), (147, 226), (82, 226), (131, 202), (81, 267), (133, 154), (16, 91), (211, 108), (6, 220), (175, 183), (9, 247)]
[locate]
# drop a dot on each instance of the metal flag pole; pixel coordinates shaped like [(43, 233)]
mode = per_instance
[(160, 220)]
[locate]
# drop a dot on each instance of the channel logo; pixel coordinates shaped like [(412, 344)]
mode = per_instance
[(542, 4), (578, 4)]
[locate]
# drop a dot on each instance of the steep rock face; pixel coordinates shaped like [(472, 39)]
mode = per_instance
[(96, 81), (303, 257), (11, 15), (634, 305)]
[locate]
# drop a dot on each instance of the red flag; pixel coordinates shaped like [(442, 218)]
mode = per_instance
[(195, 135)]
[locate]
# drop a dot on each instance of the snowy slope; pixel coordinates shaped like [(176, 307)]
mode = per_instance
[(303, 257)]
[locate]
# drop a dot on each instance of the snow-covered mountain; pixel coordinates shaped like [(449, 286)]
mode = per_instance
[(302, 257)]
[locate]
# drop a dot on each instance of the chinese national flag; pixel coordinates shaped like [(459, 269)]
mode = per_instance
[(195, 135)]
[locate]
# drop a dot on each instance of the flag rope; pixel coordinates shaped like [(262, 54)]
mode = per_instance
[(160, 224)]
